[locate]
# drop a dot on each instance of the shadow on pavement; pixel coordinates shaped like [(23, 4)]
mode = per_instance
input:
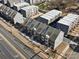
[(74, 47)]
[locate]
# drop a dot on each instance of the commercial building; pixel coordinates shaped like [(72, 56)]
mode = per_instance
[(11, 15), (18, 6), (50, 16), (43, 34), (34, 1), (53, 36), (4, 1), (29, 11), (11, 2), (68, 22)]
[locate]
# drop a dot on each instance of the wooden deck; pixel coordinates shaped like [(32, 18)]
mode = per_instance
[(75, 31)]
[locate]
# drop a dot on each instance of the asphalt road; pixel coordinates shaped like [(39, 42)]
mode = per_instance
[(6, 51), (75, 53), (26, 51)]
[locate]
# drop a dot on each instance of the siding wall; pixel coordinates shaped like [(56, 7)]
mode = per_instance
[(59, 40)]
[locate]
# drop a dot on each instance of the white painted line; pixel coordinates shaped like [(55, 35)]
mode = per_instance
[(23, 57)]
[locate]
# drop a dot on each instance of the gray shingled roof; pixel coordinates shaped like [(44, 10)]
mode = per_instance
[(41, 27), (8, 11), (34, 24), (52, 32)]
